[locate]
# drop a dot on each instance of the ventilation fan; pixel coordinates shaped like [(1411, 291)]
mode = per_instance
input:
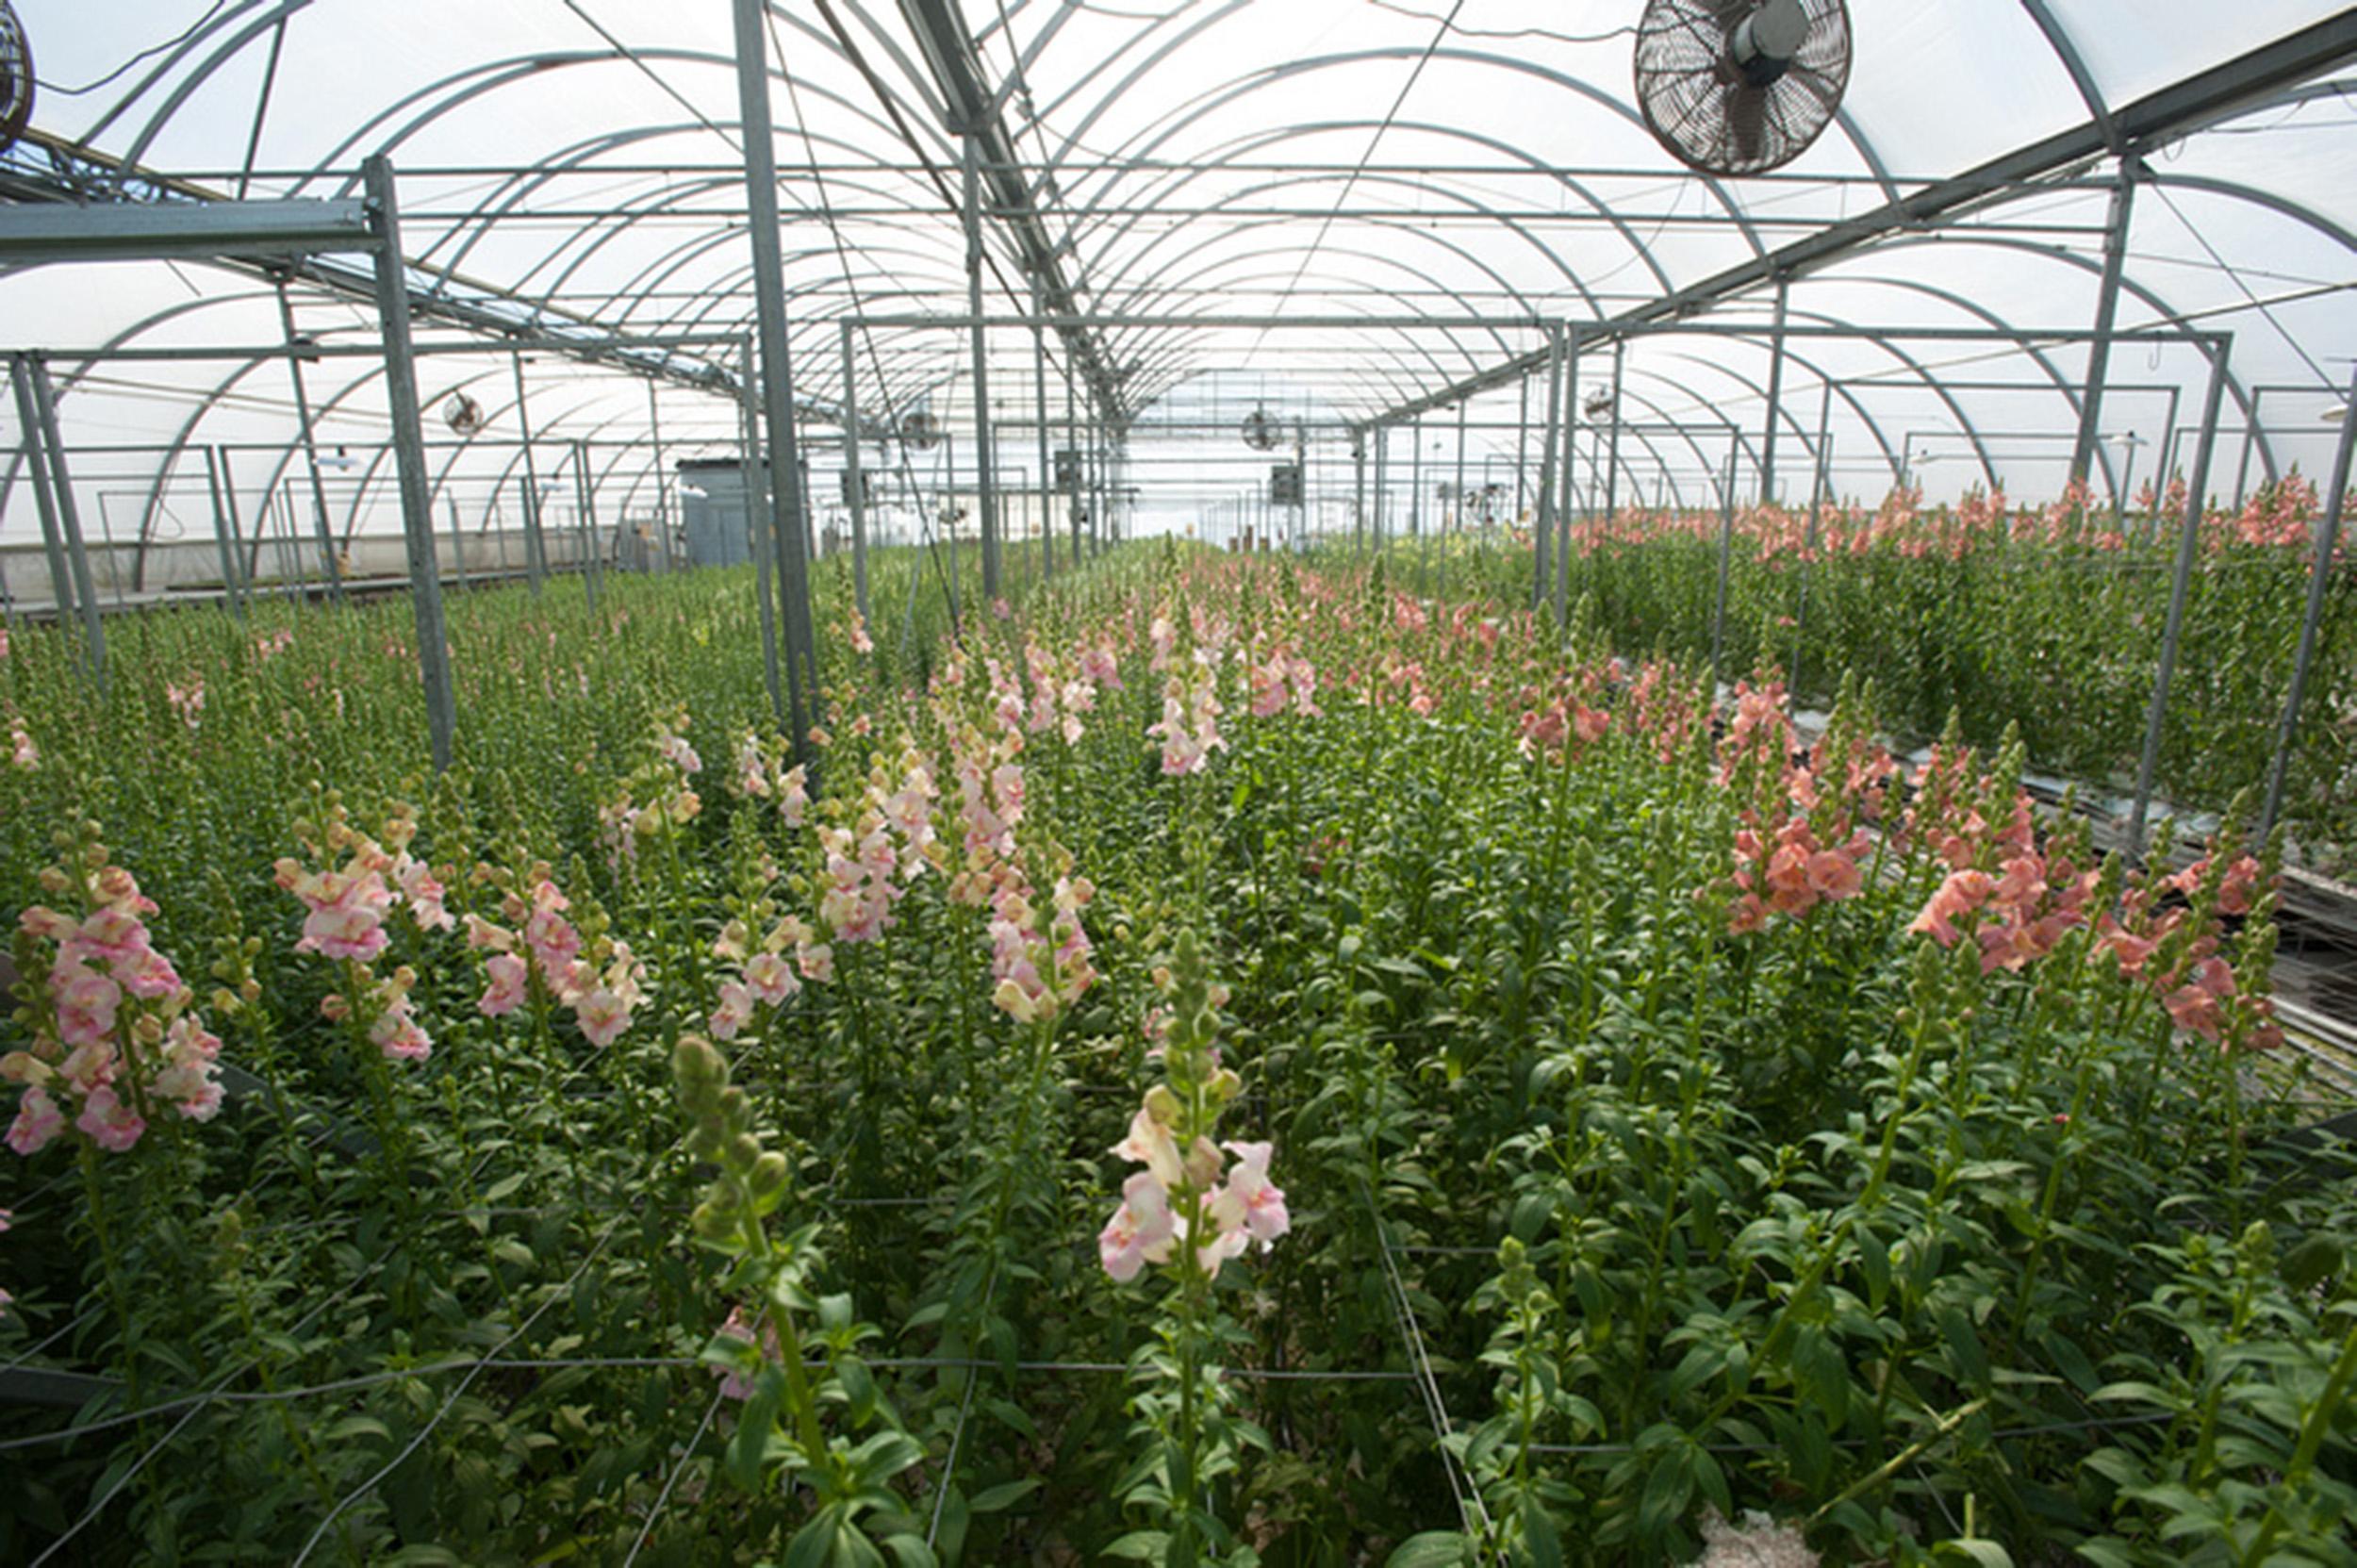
[(1741, 87), (463, 415), (1599, 405), (918, 431), (16, 77), (1259, 432)]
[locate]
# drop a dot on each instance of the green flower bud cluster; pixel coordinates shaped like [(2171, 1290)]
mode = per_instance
[(753, 1179)]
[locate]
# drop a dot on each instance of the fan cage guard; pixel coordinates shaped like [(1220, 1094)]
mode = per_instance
[(16, 77), (1698, 107)]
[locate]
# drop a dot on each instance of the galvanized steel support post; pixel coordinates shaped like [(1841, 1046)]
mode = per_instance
[(2106, 311), (310, 447), (1542, 532), (1358, 493), (1454, 519), (785, 492), (758, 537), (1072, 444), (536, 545), (662, 479), (1564, 500), (2328, 538), (985, 458), (854, 476), (2181, 581), (1039, 398), (1521, 448), (416, 514), (1726, 553), (37, 466), (1612, 437), (224, 531), (69, 517), (1775, 401), (584, 494), (1808, 552), (457, 547)]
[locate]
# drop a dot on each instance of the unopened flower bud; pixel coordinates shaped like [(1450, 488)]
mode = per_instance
[(694, 1061), (1162, 1105)]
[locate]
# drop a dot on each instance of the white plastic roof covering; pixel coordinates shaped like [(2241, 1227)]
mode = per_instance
[(1314, 158)]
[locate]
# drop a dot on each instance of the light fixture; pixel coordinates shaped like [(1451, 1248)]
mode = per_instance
[(2336, 414)]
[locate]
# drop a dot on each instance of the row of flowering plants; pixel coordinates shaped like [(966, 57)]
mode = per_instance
[(1212, 1060), (2048, 617)]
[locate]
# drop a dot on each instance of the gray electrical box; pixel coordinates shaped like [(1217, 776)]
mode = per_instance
[(1067, 470), (1284, 485)]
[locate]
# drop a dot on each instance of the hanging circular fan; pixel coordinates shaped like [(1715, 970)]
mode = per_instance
[(463, 415), (1741, 87), (16, 77), (1599, 405), (919, 432), (1259, 432)]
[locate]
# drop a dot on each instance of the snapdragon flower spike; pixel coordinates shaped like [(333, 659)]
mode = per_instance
[(597, 979), (114, 1039), (1190, 1195)]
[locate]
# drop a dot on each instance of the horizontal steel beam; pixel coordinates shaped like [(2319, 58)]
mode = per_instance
[(572, 346), (136, 232)]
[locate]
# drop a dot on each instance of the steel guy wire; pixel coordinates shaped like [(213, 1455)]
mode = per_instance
[(1472, 1512), (663, 1498), (464, 1383)]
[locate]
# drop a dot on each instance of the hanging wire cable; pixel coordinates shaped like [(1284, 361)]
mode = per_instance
[(173, 42), (2203, 240), (1364, 159), (1547, 33), (866, 335)]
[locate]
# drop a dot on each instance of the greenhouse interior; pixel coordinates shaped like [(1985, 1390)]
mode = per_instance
[(1346, 782)]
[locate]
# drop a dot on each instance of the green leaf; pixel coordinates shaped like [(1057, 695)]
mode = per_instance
[(910, 1551), (355, 1426), (1987, 1553), (1432, 1549), (1540, 1539), (814, 1543), (1531, 1212), (2312, 1263), (1666, 1491), (1139, 1547), (1874, 1259), (1004, 1495)]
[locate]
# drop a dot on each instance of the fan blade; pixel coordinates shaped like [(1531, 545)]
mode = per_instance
[(1747, 117), (1825, 90)]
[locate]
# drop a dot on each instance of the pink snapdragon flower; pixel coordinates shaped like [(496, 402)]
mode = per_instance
[(735, 1011), (1141, 1230), (38, 1120), (770, 979), (109, 1122), (603, 1015), (510, 977), (1250, 1199)]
